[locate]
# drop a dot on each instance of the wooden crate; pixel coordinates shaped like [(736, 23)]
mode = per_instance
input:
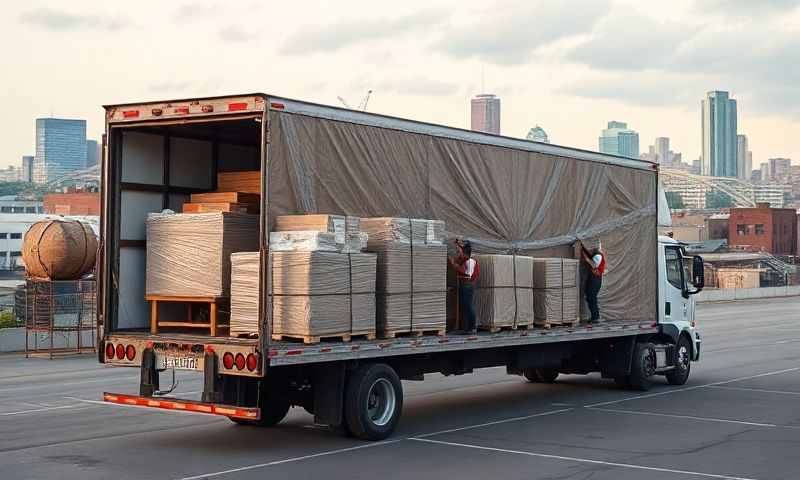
[(246, 182), (217, 207)]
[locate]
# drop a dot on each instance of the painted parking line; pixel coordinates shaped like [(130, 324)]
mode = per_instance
[(686, 389), (583, 460), (496, 422), (692, 417), (44, 409), (291, 460), (756, 390)]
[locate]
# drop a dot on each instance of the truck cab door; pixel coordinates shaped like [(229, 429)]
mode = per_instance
[(676, 305)]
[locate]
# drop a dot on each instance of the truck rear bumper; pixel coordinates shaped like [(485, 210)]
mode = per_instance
[(243, 413)]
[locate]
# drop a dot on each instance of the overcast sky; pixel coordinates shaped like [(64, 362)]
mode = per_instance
[(569, 66)]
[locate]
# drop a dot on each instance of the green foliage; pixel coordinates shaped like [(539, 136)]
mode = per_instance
[(7, 319), (717, 199), (675, 201), (24, 189)]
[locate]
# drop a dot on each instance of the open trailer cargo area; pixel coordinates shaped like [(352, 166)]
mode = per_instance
[(506, 196)]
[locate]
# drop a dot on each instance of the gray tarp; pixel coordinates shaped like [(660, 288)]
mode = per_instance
[(503, 200)]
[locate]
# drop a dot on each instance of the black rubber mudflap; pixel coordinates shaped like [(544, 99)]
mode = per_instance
[(149, 379), (212, 387)]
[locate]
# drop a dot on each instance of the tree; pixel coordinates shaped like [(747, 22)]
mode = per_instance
[(717, 199), (675, 201)]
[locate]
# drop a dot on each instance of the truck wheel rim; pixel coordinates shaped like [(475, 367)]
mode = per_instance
[(381, 402), (683, 358)]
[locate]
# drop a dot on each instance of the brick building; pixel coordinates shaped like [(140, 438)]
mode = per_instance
[(772, 230), (73, 203)]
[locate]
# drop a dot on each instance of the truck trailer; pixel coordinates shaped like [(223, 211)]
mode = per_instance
[(505, 195)]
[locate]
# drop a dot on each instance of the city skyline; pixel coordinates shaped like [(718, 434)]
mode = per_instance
[(423, 62), (618, 139)]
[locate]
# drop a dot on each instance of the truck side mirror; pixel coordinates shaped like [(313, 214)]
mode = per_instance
[(698, 273)]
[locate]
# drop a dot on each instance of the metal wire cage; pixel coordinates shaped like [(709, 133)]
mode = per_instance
[(59, 317)]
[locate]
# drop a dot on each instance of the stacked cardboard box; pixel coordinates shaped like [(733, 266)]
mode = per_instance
[(346, 229), (411, 274), (504, 297), (244, 294), (555, 294), (189, 254)]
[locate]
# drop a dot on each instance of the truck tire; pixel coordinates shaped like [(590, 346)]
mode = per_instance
[(683, 362), (540, 375), (373, 401), (643, 366)]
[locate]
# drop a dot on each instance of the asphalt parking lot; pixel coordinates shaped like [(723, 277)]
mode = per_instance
[(737, 418)]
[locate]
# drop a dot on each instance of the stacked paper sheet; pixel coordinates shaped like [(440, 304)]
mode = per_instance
[(504, 297), (555, 305), (346, 229), (303, 241), (244, 294), (322, 293), (555, 272), (411, 273), (189, 254)]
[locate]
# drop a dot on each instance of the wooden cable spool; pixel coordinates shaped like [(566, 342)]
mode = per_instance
[(59, 250)]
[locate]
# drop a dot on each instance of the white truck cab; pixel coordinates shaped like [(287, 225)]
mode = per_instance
[(680, 277)]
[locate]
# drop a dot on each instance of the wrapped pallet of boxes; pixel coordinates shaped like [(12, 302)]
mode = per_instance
[(321, 294), (411, 274), (346, 229), (244, 294), (188, 255), (555, 294), (504, 296)]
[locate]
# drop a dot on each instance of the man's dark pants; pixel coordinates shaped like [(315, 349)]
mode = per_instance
[(593, 284), (465, 293)]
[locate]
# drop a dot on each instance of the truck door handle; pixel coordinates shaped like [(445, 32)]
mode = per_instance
[(667, 308)]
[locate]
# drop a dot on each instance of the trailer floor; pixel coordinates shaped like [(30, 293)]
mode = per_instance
[(737, 418)]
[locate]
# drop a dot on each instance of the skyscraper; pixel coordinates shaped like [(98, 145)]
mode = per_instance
[(27, 169), (485, 113), (779, 169), (92, 153), (719, 135), (537, 134), (742, 169), (60, 148), (617, 139), (662, 151)]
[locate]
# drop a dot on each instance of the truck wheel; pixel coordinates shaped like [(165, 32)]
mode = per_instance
[(373, 401), (643, 366), (273, 410), (541, 375), (683, 362)]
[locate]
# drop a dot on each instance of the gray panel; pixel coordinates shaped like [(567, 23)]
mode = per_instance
[(135, 206), (234, 158), (142, 158), (190, 163), (134, 312), (176, 201)]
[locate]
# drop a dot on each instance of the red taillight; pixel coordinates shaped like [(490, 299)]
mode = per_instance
[(182, 110), (120, 351), (252, 362), (240, 361), (233, 107), (130, 352), (277, 106), (130, 114), (227, 360), (109, 351)]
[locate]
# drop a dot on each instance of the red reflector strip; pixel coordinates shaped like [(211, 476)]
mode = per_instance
[(273, 353), (182, 111), (277, 106), (294, 352), (130, 114), (325, 350), (236, 106), (186, 405)]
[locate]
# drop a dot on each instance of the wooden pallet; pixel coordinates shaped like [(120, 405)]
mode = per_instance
[(495, 328), (212, 302), (413, 333), (311, 339)]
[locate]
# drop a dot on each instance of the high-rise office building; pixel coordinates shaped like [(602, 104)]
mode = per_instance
[(742, 169), (60, 148), (537, 134), (765, 176), (719, 135), (485, 113), (617, 139), (780, 169), (662, 152), (92, 153), (27, 169)]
